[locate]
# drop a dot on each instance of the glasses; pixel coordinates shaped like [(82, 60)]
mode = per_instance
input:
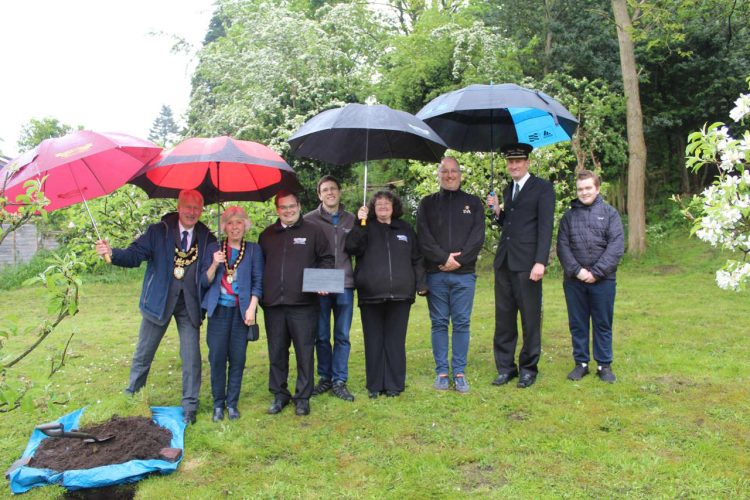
[(287, 207)]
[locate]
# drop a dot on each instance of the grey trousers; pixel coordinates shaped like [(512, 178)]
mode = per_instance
[(150, 336)]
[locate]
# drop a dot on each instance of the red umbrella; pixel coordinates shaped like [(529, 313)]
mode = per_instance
[(221, 168), (78, 167)]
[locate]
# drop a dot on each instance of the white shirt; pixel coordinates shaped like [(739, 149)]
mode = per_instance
[(521, 182)]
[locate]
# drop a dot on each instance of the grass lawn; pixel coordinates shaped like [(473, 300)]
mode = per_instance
[(676, 423)]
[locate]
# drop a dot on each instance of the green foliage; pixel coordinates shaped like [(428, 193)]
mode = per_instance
[(38, 130), (61, 283), (121, 217), (443, 52), (27, 207), (261, 80)]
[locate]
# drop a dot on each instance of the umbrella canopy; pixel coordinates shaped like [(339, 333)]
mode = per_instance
[(361, 132), (77, 167), (487, 117), (221, 168)]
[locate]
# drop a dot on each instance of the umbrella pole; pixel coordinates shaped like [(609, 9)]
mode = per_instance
[(107, 258), (364, 193), (492, 158), (218, 201)]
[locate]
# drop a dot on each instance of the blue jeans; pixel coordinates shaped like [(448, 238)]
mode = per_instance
[(451, 299), (594, 302), (333, 363), (226, 336)]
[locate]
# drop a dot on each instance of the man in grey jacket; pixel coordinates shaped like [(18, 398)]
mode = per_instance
[(333, 363), (590, 244)]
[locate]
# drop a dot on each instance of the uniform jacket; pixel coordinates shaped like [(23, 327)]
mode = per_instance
[(450, 221), (249, 275), (591, 237), (156, 247), (526, 225), (287, 252), (336, 236), (389, 265)]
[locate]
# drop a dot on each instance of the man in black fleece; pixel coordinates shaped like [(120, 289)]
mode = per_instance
[(450, 226), (291, 316)]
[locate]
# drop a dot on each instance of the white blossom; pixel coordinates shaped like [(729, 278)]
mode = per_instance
[(725, 221), (741, 109)]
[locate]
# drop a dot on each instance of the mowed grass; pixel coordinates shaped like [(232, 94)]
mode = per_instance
[(676, 423)]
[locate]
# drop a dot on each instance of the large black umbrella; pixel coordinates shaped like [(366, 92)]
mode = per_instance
[(487, 117), (360, 132)]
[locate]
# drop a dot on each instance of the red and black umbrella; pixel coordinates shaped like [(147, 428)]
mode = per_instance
[(221, 168)]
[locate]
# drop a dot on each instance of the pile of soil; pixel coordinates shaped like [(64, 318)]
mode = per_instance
[(136, 438)]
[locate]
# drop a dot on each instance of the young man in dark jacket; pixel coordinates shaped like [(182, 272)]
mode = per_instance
[(590, 244), (289, 246), (450, 225), (333, 363), (173, 249)]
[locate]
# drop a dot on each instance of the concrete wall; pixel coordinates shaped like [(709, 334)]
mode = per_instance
[(21, 245)]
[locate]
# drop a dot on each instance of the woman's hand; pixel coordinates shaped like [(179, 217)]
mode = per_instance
[(250, 316), (219, 258), (362, 213)]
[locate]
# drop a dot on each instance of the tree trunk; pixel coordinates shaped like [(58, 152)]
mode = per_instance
[(636, 142)]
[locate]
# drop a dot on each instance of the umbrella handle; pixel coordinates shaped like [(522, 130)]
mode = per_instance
[(107, 258), (363, 222)]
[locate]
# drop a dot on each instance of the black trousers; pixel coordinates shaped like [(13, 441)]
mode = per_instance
[(384, 326), (514, 293), (287, 325)]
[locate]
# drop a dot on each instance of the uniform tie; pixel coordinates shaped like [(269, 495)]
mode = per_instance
[(516, 189), (184, 240)]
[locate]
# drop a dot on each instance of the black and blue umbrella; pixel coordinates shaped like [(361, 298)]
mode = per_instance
[(361, 132), (487, 117)]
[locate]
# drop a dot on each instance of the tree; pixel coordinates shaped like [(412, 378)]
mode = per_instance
[(38, 130), (164, 130), (636, 139), (261, 80)]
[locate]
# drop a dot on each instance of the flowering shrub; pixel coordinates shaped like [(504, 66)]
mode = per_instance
[(723, 209)]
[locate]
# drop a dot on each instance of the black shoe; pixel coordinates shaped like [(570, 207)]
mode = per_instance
[(233, 413), (189, 417), (341, 392), (392, 394), (504, 378), (580, 371), (605, 374), (277, 405), (526, 380), (324, 385), (373, 394), (302, 407), (218, 414)]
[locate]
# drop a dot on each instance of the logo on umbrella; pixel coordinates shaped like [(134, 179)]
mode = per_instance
[(74, 151), (422, 131)]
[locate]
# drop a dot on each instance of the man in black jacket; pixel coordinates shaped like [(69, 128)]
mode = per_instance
[(291, 316), (590, 244), (526, 218), (450, 225)]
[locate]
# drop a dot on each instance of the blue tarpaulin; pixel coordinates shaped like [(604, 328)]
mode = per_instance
[(24, 478)]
